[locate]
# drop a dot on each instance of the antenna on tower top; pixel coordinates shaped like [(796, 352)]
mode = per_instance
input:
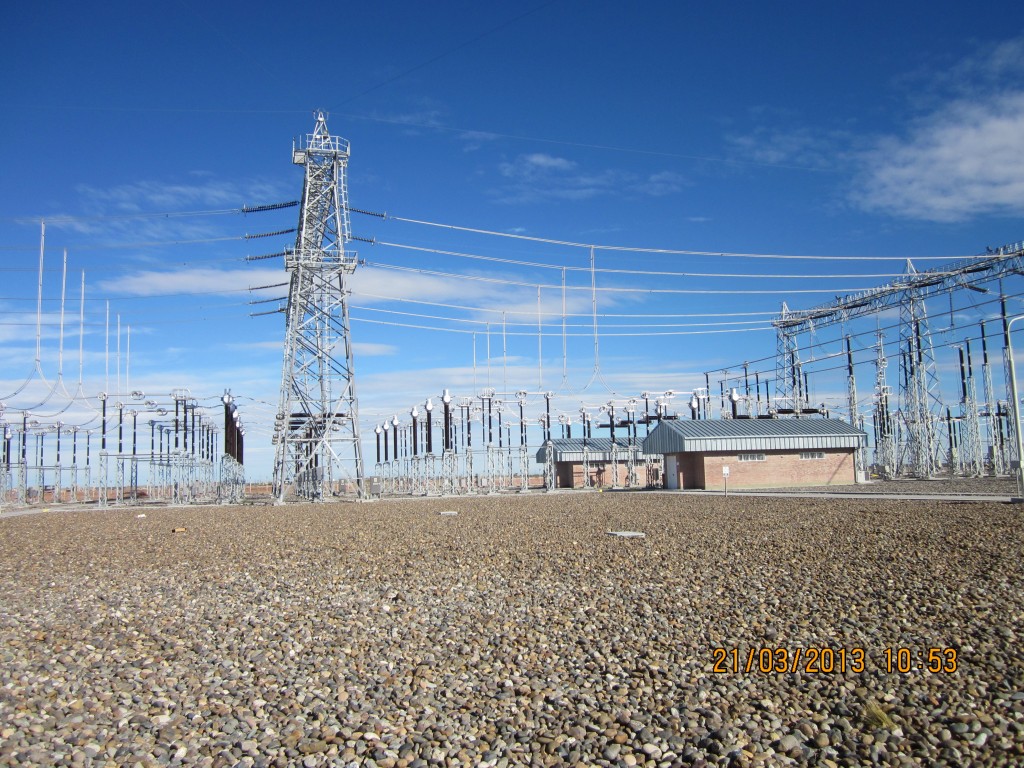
[(320, 131)]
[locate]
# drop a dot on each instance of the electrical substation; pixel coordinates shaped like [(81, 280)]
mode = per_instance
[(891, 377)]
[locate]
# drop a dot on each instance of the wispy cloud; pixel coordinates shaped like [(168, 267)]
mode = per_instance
[(130, 209), (428, 116), (538, 177), (964, 157), (370, 349), (202, 280), (145, 195), (659, 184), (364, 349), (371, 285), (965, 160), (789, 146), (474, 140)]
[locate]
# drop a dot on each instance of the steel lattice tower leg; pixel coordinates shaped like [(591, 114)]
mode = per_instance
[(317, 428), (992, 422), (549, 466), (851, 385), (885, 450), (524, 469), (789, 394), (919, 387)]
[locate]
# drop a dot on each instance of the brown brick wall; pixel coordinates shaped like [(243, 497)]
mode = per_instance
[(780, 469)]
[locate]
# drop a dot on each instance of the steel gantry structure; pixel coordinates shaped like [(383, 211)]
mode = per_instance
[(316, 432), (920, 418)]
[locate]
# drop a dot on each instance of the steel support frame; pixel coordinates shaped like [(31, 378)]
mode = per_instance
[(318, 444)]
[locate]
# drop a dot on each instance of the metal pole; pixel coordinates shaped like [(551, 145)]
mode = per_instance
[(447, 400), (1016, 405), (547, 414), (429, 408)]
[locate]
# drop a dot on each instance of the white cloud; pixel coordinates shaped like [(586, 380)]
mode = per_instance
[(474, 140), (205, 280), (372, 285), (548, 162), (538, 177), (20, 326), (144, 195), (128, 210), (792, 147), (963, 161), (428, 117), (659, 184), (369, 349), (964, 157), (258, 345), (375, 286)]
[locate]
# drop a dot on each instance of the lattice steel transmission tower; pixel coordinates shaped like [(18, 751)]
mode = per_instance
[(317, 427), (789, 394), (919, 390)]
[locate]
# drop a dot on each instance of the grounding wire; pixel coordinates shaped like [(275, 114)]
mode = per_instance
[(549, 314), (67, 219), (688, 291), (533, 334), (533, 313), (530, 313), (679, 252), (648, 273)]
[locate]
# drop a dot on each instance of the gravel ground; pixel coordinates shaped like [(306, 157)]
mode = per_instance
[(515, 632), (994, 486)]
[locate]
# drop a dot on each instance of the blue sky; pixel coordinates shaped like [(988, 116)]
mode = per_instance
[(808, 129)]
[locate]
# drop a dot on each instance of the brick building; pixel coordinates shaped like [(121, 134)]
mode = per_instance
[(756, 453)]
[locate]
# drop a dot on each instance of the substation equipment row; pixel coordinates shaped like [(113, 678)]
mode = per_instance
[(138, 454)]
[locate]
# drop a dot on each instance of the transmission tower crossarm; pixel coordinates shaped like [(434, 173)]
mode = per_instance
[(1006, 260)]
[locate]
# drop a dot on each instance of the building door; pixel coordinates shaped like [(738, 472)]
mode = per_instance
[(672, 472)]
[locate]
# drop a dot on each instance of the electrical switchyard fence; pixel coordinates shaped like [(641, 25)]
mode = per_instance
[(134, 452)]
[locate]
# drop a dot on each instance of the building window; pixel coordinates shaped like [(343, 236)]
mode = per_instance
[(810, 455), (751, 457)]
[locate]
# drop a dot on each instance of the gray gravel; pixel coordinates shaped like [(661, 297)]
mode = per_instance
[(516, 632), (948, 486)]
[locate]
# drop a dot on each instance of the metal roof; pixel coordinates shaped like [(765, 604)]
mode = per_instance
[(734, 435), (571, 449)]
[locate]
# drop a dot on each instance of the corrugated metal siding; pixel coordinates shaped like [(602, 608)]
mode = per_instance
[(741, 435), (598, 449)]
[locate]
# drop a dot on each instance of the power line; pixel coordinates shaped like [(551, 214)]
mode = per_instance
[(558, 334), (678, 252), (762, 326), (605, 289), (533, 313), (68, 218), (646, 273)]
